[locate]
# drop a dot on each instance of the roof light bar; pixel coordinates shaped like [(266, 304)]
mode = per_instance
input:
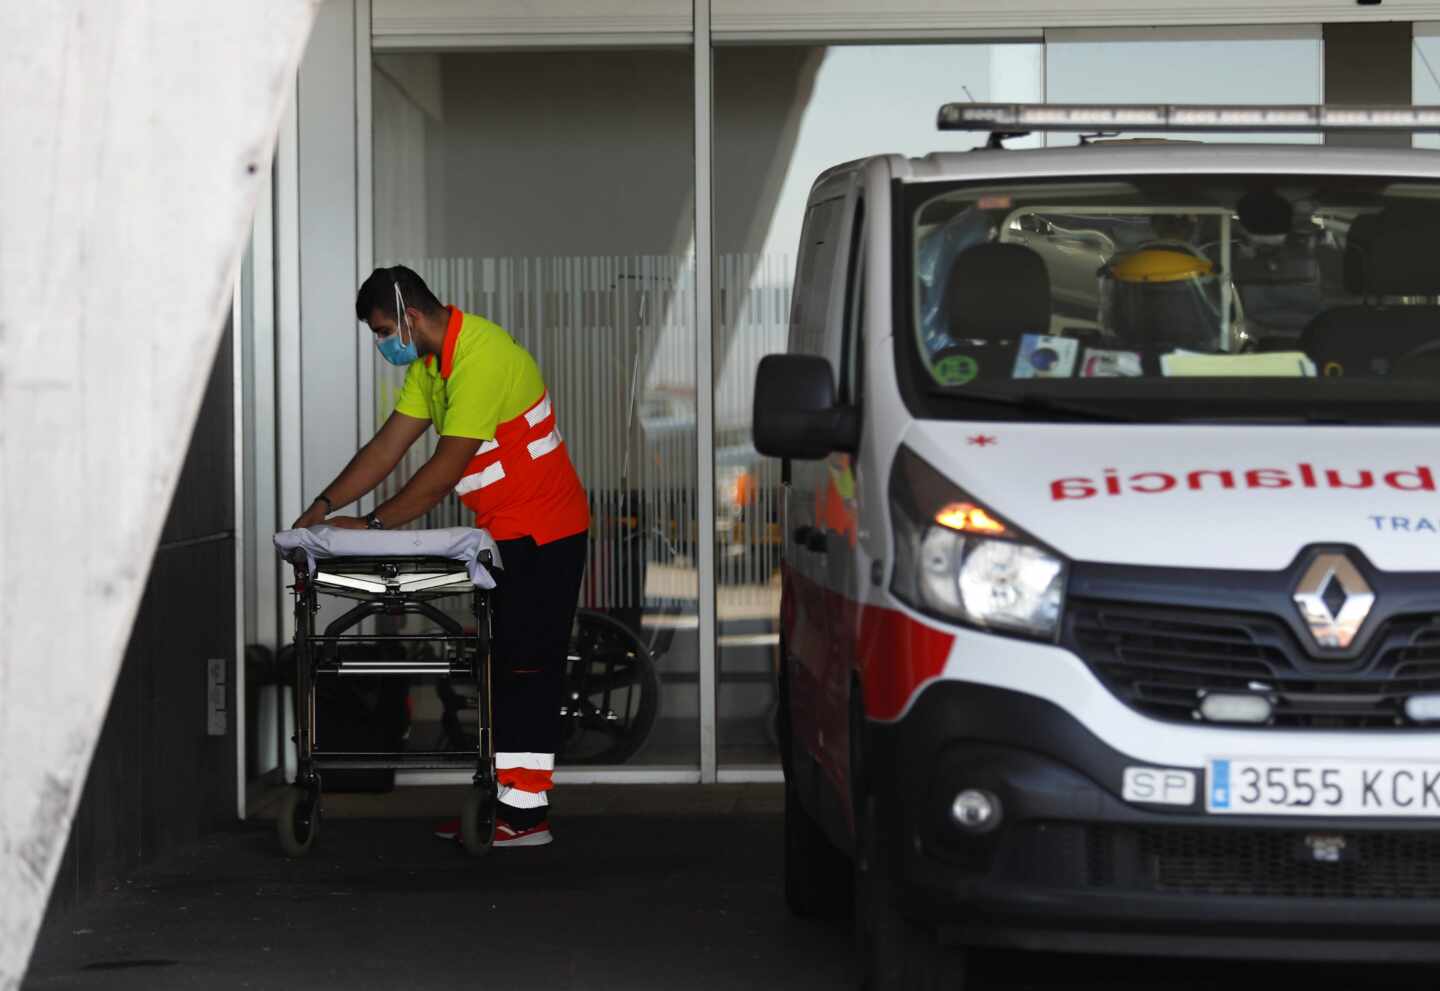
[(1180, 117)]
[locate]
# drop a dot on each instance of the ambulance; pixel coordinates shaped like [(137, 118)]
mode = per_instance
[(1111, 586)]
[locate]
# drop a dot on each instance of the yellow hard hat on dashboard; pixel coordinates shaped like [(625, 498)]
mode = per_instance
[(1159, 265)]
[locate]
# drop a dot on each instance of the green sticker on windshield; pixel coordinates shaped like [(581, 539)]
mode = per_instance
[(958, 369)]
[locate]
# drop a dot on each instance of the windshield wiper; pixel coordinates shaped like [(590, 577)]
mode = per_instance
[(1266, 419), (1037, 402)]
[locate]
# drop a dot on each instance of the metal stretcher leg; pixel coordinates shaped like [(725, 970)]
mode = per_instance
[(477, 815), (297, 821), (322, 654)]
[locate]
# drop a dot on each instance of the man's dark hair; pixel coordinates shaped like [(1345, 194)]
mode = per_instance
[(378, 293)]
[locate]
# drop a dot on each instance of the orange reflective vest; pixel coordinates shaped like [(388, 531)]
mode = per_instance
[(521, 482)]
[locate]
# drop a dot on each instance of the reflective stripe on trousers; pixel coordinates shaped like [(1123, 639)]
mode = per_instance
[(524, 778)]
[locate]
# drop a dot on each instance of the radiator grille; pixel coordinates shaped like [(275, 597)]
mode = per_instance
[(1266, 863), (1162, 660)]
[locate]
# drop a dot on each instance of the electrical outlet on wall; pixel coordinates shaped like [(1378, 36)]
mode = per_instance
[(215, 697)]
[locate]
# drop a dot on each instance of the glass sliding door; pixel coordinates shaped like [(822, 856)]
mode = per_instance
[(552, 192)]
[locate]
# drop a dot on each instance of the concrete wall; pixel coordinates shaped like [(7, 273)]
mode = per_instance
[(158, 779), (139, 135)]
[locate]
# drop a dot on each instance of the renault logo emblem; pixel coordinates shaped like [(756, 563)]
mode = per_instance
[(1334, 600)]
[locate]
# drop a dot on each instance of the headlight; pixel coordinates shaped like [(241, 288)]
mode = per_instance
[(958, 560), (991, 582)]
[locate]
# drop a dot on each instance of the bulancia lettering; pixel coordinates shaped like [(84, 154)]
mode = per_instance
[(1114, 482)]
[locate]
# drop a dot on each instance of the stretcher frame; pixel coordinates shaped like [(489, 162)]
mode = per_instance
[(394, 587)]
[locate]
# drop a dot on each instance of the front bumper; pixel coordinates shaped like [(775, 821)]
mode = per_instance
[(1071, 866)]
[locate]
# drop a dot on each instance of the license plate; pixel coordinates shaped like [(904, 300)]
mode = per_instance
[(1340, 787)]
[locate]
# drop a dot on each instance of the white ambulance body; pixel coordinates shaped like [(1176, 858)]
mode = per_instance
[(1111, 609)]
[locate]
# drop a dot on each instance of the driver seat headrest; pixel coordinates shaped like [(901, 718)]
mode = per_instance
[(1390, 255), (997, 290)]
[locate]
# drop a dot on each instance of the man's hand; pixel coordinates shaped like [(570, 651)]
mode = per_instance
[(348, 522), (315, 514)]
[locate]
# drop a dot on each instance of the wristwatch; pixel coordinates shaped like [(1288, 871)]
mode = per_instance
[(373, 522)]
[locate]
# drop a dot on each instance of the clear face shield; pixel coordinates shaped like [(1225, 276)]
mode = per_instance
[(1162, 299)]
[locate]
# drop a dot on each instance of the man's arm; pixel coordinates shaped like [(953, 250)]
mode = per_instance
[(368, 467), (433, 482), (426, 487)]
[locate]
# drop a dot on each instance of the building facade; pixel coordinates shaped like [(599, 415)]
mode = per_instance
[(620, 185)]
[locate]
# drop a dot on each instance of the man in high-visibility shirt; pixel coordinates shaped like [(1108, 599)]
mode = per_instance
[(500, 451)]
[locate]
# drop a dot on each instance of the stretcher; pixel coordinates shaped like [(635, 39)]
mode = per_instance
[(389, 573)]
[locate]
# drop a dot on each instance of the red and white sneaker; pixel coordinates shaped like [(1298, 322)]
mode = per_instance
[(537, 835), (505, 835)]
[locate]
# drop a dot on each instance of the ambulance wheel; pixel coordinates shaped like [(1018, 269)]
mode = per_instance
[(818, 877), (477, 821), (297, 822), (897, 953)]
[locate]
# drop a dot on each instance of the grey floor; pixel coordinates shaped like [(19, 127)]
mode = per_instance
[(644, 888)]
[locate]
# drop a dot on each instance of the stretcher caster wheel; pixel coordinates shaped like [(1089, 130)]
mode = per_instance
[(297, 821), (477, 821)]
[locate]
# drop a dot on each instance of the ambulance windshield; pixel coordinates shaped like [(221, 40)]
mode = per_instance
[(1113, 291)]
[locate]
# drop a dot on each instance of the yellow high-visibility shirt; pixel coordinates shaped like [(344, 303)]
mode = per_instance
[(487, 387)]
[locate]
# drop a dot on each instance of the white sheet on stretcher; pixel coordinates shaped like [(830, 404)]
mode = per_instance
[(459, 543)]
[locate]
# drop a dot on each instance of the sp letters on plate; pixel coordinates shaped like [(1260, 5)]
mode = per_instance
[(1159, 785)]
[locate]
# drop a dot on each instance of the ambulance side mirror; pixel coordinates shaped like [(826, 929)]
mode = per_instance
[(795, 414)]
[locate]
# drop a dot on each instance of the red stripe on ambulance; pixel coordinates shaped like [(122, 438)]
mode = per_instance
[(897, 655)]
